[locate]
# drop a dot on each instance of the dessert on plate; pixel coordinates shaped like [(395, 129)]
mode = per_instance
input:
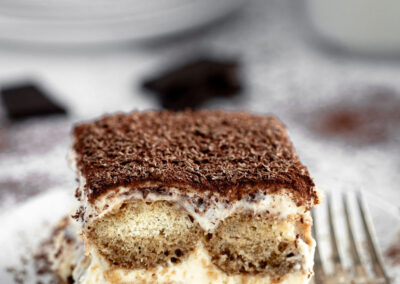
[(187, 197)]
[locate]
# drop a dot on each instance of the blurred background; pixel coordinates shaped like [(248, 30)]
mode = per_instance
[(330, 70)]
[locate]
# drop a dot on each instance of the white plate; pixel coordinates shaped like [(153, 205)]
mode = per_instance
[(105, 22), (24, 227)]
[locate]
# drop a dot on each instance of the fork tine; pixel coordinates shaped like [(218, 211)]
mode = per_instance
[(333, 237), (318, 269), (354, 246), (371, 239)]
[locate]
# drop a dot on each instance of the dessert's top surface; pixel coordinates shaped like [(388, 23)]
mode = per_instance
[(214, 151)]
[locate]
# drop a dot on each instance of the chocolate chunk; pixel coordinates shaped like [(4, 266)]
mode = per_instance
[(191, 85), (26, 100)]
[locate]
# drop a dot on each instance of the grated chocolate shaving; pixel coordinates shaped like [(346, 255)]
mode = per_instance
[(213, 151)]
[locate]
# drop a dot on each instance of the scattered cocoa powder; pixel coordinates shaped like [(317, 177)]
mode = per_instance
[(33, 137), (23, 187), (40, 259), (393, 252), (4, 139), (19, 275), (361, 119), (34, 264)]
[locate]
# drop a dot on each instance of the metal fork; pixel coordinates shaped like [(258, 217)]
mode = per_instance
[(358, 273)]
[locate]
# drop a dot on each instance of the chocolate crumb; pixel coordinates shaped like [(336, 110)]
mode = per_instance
[(192, 84), (191, 218), (19, 275), (40, 258), (41, 262), (78, 215), (178, 252)]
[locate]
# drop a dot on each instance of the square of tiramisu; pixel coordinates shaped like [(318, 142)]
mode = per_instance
[(188, 197)]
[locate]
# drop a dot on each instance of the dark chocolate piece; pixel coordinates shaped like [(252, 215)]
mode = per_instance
[(192, 84), (24, 101), (230, 153)]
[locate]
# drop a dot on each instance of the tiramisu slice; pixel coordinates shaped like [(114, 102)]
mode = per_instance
[(191, 197)]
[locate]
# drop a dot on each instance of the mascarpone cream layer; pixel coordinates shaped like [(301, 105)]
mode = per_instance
[(196, 269), (207, 215)]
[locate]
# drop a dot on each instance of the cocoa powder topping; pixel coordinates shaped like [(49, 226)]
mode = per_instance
[(213, 151)]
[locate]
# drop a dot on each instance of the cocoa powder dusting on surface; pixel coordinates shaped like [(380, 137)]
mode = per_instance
[(32, 158), (41, 262), (40, 259), (393, 252), (34, 265), (4, 139), (37, 136), (23, 187), (362, 119), (19, 274)]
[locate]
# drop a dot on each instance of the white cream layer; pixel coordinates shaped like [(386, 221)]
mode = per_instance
[(196, 269), (208, 217)]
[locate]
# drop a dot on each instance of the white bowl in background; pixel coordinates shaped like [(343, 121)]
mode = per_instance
[(104, 21), (363, 25)]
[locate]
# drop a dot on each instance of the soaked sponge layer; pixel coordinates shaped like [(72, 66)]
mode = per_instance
[(142, 235), (146, 234), (246, 243)]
